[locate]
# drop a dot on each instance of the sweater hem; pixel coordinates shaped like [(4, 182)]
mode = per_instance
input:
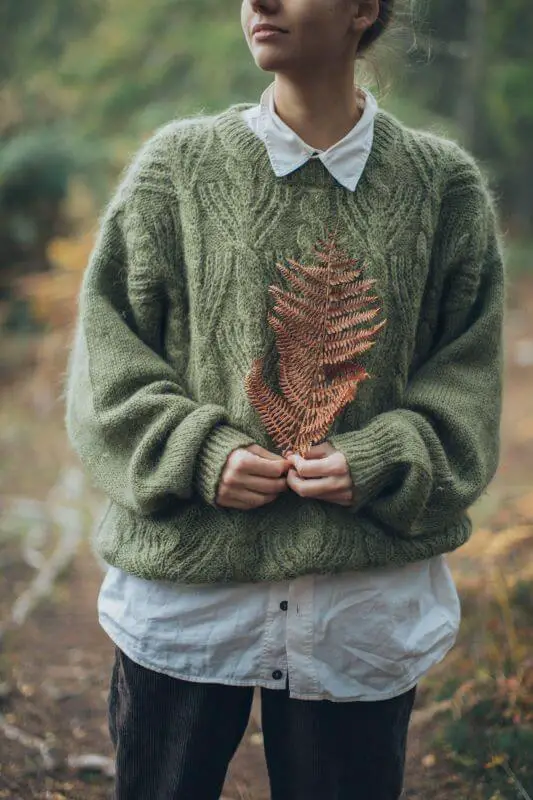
[(159, 549)]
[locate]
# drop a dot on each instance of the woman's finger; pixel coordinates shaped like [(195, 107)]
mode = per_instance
[(318, 451), (341, 494), (244, 499), (332, 465), (255, 484), (308, 487)]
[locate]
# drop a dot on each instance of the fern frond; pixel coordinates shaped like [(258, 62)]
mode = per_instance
[(321, 325)]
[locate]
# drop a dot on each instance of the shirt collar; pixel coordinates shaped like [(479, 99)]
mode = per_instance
[(287, 152)]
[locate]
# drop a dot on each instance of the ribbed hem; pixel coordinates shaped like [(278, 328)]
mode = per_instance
[(220, 443), (379, 454)]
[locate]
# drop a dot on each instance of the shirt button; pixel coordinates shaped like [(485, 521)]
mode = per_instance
[(277, 675), (284, 605)]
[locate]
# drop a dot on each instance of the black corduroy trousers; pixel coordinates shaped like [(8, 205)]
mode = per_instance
[(174, 740)]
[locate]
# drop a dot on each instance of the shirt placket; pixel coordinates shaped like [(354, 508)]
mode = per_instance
[(303, 679), (274, 651)]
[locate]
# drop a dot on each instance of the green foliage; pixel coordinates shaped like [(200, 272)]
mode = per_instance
[(36, 168), (487, 737), (34, 175), (174, 58), (492, 741), (439, 75), (36, 162), (34, 34), (33, 39)]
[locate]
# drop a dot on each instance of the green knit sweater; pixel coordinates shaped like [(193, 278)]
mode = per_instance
[(173, 310)]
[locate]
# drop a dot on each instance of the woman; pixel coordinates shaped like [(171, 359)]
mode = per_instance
[(320, 579)]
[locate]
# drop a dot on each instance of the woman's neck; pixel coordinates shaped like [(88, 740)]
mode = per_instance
[(321, 112)]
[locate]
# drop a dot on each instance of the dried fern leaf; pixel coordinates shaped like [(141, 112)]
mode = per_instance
[(322, 324)]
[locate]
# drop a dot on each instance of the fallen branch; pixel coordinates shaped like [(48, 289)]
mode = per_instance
[(33, 544), (516, 783), (61, 510), (45, 579), (69, 519), (424, 715), (51, 760), (92, 762), (29, 741), (23, 508)]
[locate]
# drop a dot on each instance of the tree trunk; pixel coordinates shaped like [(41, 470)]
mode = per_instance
[(471, 89)]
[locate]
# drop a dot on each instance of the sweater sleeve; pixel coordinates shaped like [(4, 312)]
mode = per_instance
[(419, 466), (142, 439)]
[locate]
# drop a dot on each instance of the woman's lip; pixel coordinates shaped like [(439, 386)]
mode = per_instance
[(265, 33)]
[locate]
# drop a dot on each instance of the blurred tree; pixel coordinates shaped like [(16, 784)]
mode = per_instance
[(471, 89), (36, 161), (34, 174), (472, 62), (173, 58), (508, 122), (33, 38)]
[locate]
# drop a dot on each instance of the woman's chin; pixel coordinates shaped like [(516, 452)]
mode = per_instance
[(269, 61)]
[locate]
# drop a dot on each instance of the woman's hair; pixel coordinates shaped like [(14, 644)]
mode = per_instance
[(373, 33)]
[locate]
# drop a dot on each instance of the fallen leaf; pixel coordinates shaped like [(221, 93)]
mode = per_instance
[(496, 761)]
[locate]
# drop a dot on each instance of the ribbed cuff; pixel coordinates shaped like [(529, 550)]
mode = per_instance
[(380, 454), (220, 443)]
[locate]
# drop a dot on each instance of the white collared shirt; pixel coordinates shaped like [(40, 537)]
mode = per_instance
[(354, 636), (345, 160)]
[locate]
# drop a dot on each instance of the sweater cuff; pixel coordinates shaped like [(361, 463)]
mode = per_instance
[(380, 454), (217, 447)]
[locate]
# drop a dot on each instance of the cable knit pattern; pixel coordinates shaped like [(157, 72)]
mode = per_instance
[(173, 311)]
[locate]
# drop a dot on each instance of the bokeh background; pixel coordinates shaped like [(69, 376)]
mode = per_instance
[(82, 84)]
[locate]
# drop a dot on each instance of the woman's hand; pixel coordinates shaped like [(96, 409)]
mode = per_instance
[(252, 477), (322, 475)]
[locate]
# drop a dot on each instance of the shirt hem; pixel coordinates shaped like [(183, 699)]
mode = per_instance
[(409, 681)]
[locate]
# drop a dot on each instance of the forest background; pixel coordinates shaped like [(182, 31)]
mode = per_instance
[(82, 84)]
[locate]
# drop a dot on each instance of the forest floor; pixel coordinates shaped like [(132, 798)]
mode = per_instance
[(55, 661)]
